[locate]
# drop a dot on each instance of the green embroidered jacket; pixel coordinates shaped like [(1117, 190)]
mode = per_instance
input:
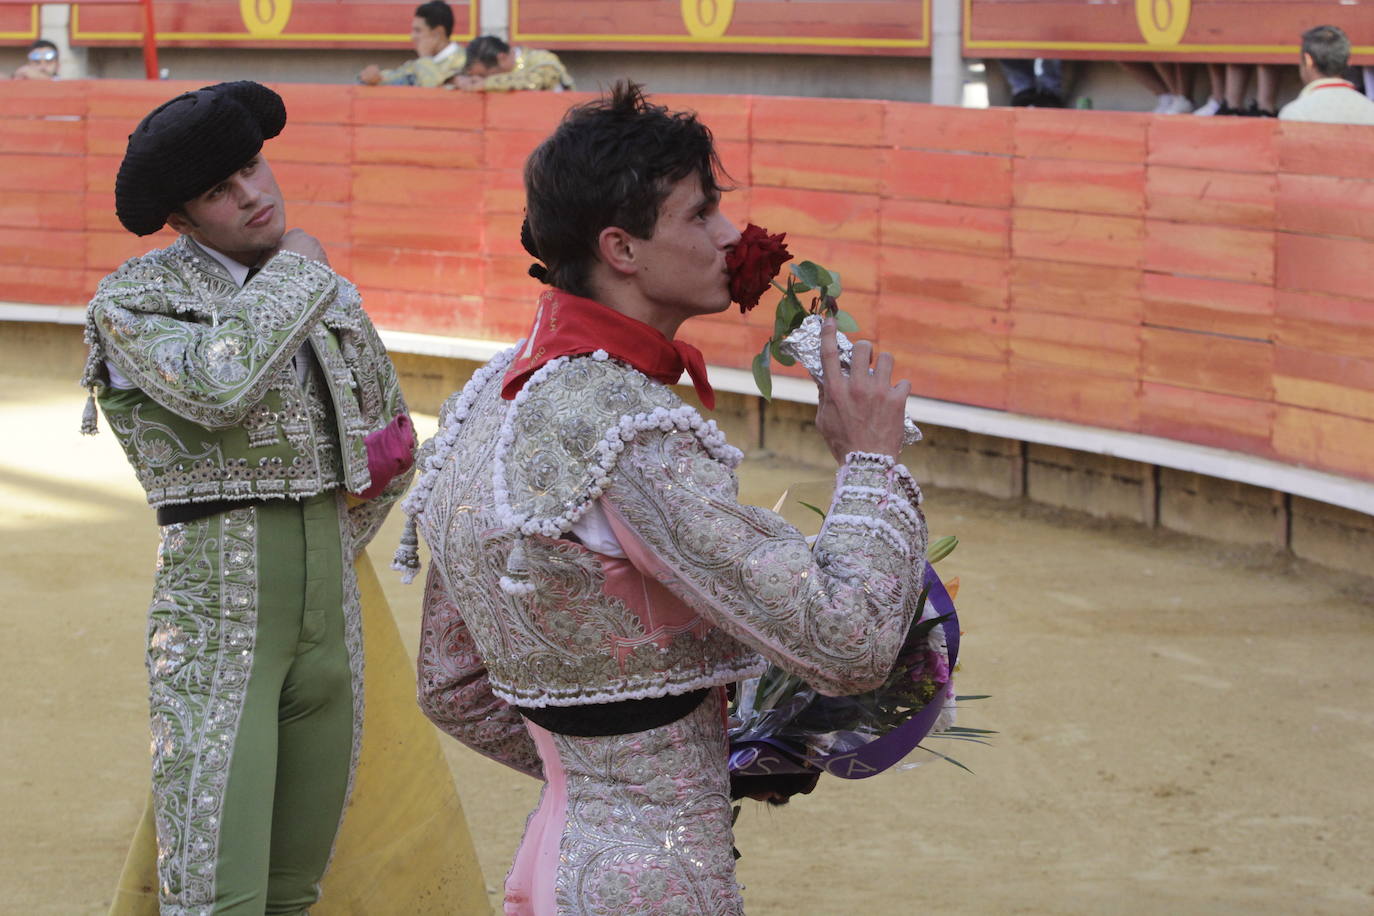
[(218, 410)]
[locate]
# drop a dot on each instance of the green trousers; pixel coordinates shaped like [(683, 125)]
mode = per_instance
[(255, 670)]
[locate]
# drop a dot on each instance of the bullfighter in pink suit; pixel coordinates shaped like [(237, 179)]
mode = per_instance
[(595, 582)]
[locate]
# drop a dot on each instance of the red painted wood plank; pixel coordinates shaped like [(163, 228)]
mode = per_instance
[(34, 247), (1335, 384), (1208, 362), (1323, 440), (314, 181), (1329, 324), (1209, 251), (107, 136), (1325, 205), (323, 143), (1105, 347), (452, 229), (818, 213), (447, 149), (42, 99), (855, 262), (416, 187), (314, 103), (1102, 136), (1343, 150), (508, 277), (455, 313), (921, 325), (851, 122), (1074, 395), (44, 285), (132, 100), (727, 116), (819, 167), (38, 172), (952, 377), (957, 178), (407, 106), (944, 276), (948, 227), (1212, 306), (537, 111), (1111, 241), (1206, 418), (1241, 199), (910, 125), (331, 223), (1111, 188), (44, 136), (1342, 267), (1220, 144), (508, 149), (503, 191), (417, 271), (43, 209), (1106, 293)]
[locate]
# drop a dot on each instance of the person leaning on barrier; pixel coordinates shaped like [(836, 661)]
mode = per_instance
[(1327, 96), (439, 58), (42, 62), (494, 66)]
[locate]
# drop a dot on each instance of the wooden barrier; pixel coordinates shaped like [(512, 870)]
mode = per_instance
[(1205, 280)]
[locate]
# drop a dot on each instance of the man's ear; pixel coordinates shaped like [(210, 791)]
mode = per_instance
[(180, 222), (1307, 62), (617, 249)]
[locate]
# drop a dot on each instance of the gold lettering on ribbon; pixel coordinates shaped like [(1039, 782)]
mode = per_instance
[(265, 18), (1162, 22), (707, 18)]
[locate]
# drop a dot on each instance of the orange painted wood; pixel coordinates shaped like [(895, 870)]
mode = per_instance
[(386, 225), (315, 181), (457, 314), (448, 149), (508, 149), (1209, 251), (39, 172), (317, 143), (311, 103), (727, 116), (508, 277), (1105, 293), (98, 210), (1207, 418), (1353, 372), (1106, 347), (106, 250), (417, 271), (1341, 150), (43, 136), (414, 186), (331, 223), (1221, 144), (818, 167), (35, 247), (1111, 188), (42, 98), (43, 209), (1240, 199), (502, 191), (1100, 136), (855, 262), (537, 111), (920, 325), (956, 178), (948, 227), (952, 377), (131, 100), (1208, 362), (407, 106), (1211, 306), (1342, 267), (1326, 205), (44, 285), (1343, 327), (855, 122), (1316, 439), (108, 136), (1067, 394), (944, 276), (853, 217), (941, 127), (1111, 241)]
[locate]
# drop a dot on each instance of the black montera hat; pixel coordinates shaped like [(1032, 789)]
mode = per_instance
[(186, 146)]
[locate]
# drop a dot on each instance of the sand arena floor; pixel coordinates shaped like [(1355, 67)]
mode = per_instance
[(1183, 728)]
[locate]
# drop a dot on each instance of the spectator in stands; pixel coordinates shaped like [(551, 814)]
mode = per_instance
[(1326, 96), (494, 66), (1035, 83), (1170, 83), (440, 57), (1264, 105), (42, 62), (1216, 96)]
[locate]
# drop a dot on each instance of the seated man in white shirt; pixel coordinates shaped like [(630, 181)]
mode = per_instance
[(1327, 96), (439, 59)]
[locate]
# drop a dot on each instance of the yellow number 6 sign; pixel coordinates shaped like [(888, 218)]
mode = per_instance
[(1162, 22), (265, 18), (707, 18)]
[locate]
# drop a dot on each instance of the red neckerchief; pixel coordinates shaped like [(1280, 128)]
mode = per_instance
[(1337, 84), (568, 325)]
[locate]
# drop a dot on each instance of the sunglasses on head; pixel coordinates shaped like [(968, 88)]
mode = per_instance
[(42, 54)]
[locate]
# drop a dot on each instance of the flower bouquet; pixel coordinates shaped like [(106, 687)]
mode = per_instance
[(779, 726)]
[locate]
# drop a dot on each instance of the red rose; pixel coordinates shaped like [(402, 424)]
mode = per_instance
[(753, 263)]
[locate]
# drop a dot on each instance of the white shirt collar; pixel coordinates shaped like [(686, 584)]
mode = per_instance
[(237, 272), (448, 52)]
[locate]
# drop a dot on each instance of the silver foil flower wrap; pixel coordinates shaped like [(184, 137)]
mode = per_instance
[(804, 345)]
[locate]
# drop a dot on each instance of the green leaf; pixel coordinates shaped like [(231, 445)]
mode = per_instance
[(813, 275), (795, 284), (973, 696), (832, 288), (945, 757), (941, 548), (776, 347), (763, 375), (845, 322), (815, 509)]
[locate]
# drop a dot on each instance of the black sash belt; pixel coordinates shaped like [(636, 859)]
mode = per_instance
[(622, 717), (194, 512)]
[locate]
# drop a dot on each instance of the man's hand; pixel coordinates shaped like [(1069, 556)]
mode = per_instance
[(371, 75), (298, 241), (861, 411)]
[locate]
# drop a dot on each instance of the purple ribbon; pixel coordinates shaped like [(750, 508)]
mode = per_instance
[(767, 756)]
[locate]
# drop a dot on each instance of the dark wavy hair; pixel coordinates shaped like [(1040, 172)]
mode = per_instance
[(611, 162)]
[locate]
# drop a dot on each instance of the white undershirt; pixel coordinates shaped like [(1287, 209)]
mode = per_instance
[(448, 52)]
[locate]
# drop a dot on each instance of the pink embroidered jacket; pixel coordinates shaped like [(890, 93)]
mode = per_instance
[(518, 612)]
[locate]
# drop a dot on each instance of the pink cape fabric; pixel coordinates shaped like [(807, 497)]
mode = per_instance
[(390, 452)]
